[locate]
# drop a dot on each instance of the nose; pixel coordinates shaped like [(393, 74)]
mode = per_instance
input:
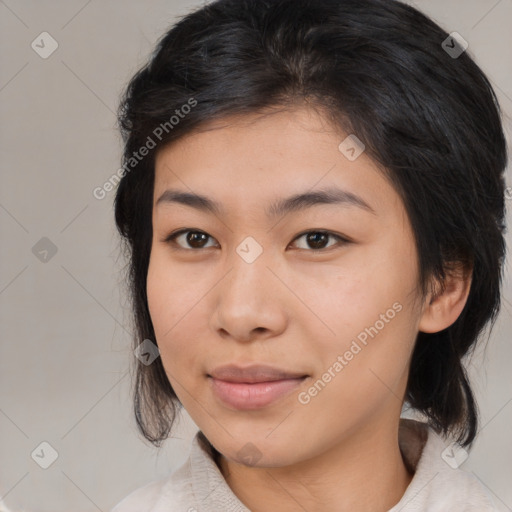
[(249, 301)]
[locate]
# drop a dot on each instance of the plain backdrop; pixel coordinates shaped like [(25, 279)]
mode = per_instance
[(65, 337)]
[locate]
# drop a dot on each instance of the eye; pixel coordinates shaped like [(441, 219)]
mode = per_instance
[(195, 239), (317, 239)]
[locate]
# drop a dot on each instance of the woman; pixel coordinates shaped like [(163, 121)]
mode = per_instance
[(313, 207)]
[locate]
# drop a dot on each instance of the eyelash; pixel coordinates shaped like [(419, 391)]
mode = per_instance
[(172, 236)]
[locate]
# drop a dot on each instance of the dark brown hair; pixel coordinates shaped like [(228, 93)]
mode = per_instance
[(378, 69)]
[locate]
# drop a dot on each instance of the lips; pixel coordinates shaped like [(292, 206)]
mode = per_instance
[(254, 373), (252, 387)]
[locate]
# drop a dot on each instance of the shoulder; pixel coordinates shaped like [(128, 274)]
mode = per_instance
[(143, 498), (168, 494), (195, 482), (439, 483)]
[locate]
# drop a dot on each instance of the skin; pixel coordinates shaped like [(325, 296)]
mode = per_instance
[(292, 308)]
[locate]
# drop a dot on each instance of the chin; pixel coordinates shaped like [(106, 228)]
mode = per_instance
[(253, 451)]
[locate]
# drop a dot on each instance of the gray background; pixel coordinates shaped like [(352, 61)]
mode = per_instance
[(65, 325)]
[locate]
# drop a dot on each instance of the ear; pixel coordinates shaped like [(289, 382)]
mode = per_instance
[(441, 309)]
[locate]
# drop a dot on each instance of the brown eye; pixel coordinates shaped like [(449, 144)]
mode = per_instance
[(192, 239), (317, 240)]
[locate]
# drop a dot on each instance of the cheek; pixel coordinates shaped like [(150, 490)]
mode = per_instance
[(174, 302), (368, 320), (160, 295), (347, 299), (369, 331), (171, 293), (359, 378)]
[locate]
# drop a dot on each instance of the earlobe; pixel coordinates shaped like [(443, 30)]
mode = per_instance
[(443, 308)]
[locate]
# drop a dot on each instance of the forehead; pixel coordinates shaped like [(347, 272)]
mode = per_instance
[(256, 158)]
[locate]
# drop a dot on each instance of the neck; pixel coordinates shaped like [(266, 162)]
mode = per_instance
[(363, 472)]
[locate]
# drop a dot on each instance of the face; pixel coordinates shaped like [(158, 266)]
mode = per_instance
[(324, 290)]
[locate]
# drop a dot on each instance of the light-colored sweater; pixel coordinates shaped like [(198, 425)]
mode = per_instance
[(438, 484)]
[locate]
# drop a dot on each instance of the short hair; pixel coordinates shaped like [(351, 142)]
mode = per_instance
[(374, 68)]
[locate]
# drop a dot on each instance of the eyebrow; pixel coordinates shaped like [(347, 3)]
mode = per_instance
[(297, 202)]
